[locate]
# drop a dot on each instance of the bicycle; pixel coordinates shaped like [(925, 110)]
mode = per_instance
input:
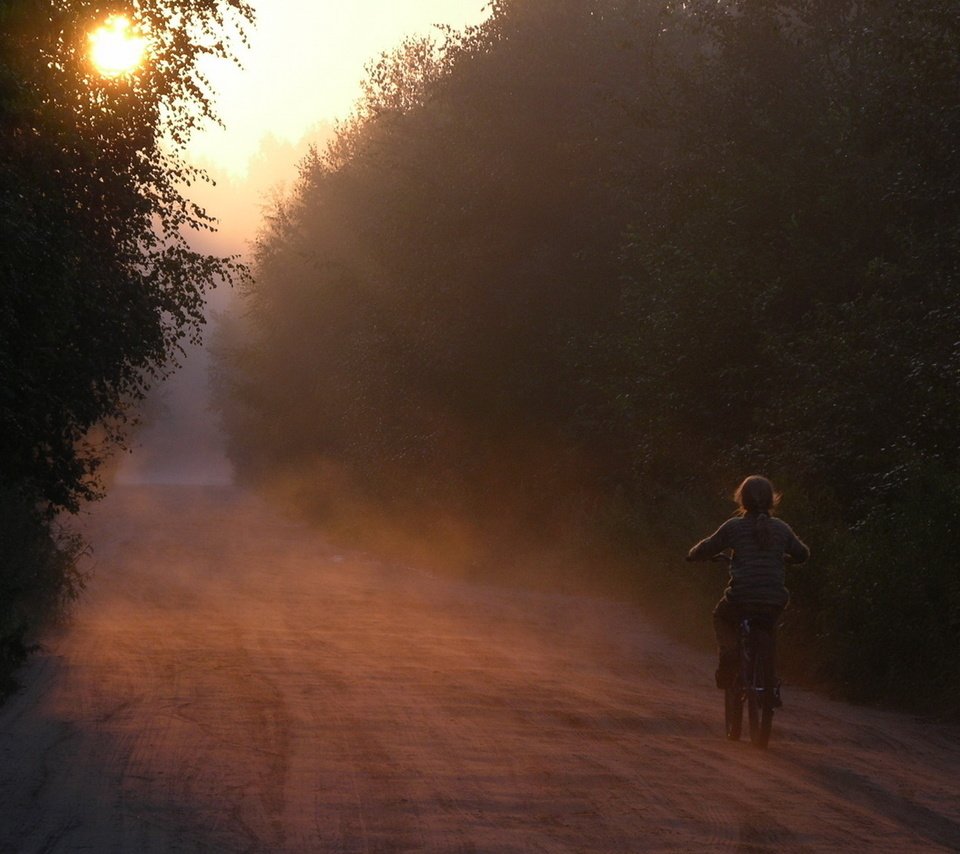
[(755, 684)]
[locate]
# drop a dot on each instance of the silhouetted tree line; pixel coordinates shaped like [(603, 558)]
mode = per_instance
[(98, 285), (586, 265)]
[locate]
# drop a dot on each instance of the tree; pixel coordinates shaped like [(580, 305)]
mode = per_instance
[(614, 256), (98, 283)]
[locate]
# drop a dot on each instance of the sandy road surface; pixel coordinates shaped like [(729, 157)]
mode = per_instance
[(231, 683)]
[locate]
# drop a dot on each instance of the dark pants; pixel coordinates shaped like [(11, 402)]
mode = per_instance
[(726, 622)]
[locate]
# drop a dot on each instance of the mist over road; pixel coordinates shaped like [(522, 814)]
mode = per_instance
[(232, 682)]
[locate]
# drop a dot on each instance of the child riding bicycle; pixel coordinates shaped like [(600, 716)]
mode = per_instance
[(759, 543)]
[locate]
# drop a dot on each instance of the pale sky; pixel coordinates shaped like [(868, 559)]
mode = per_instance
[(305, 64)]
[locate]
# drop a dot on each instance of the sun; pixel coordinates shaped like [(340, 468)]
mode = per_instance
[(116, 48)]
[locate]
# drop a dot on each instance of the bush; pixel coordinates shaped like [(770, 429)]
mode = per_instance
[(40, 578)]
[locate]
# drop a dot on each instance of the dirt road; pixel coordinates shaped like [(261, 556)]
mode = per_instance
[(232, 683)]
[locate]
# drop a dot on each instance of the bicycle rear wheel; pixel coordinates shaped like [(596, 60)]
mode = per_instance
[(733, 711)]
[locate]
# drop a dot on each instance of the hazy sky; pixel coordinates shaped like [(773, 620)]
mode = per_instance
[(302, 71), (305, 64)]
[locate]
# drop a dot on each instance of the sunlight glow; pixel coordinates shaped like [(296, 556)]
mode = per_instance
[(304, 66), (115, 48)]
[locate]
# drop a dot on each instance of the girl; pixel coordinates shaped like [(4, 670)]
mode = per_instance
[(759, 544)]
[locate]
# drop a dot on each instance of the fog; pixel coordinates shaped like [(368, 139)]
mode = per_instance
[(179, 439)]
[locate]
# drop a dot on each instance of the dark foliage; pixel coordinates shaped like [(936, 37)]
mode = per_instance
[(40, 578), (588, 264), (98, 284)]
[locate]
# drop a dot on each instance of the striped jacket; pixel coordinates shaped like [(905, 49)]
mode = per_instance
[(756, 574)]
